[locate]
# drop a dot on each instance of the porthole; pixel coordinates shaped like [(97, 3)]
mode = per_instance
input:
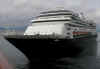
[(68, 28), (68, 33)]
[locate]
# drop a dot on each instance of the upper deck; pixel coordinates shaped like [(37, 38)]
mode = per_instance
[(57, 13), (62, 16)]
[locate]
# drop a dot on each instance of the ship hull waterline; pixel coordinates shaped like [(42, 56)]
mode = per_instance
[(46, 51)]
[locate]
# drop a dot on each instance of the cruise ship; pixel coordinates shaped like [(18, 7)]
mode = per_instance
[(52, 33)]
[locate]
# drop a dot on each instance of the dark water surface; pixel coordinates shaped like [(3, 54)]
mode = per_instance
[(87, 59)]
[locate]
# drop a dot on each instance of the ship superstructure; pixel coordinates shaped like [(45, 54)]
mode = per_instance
[(61, 23)]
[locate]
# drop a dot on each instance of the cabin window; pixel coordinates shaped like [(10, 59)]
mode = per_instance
[(68, 28), (90, 24)]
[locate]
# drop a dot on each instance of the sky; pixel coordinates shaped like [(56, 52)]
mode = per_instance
[(19, 12)]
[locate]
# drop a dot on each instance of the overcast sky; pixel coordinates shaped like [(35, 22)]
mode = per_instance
[(19, 12)]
